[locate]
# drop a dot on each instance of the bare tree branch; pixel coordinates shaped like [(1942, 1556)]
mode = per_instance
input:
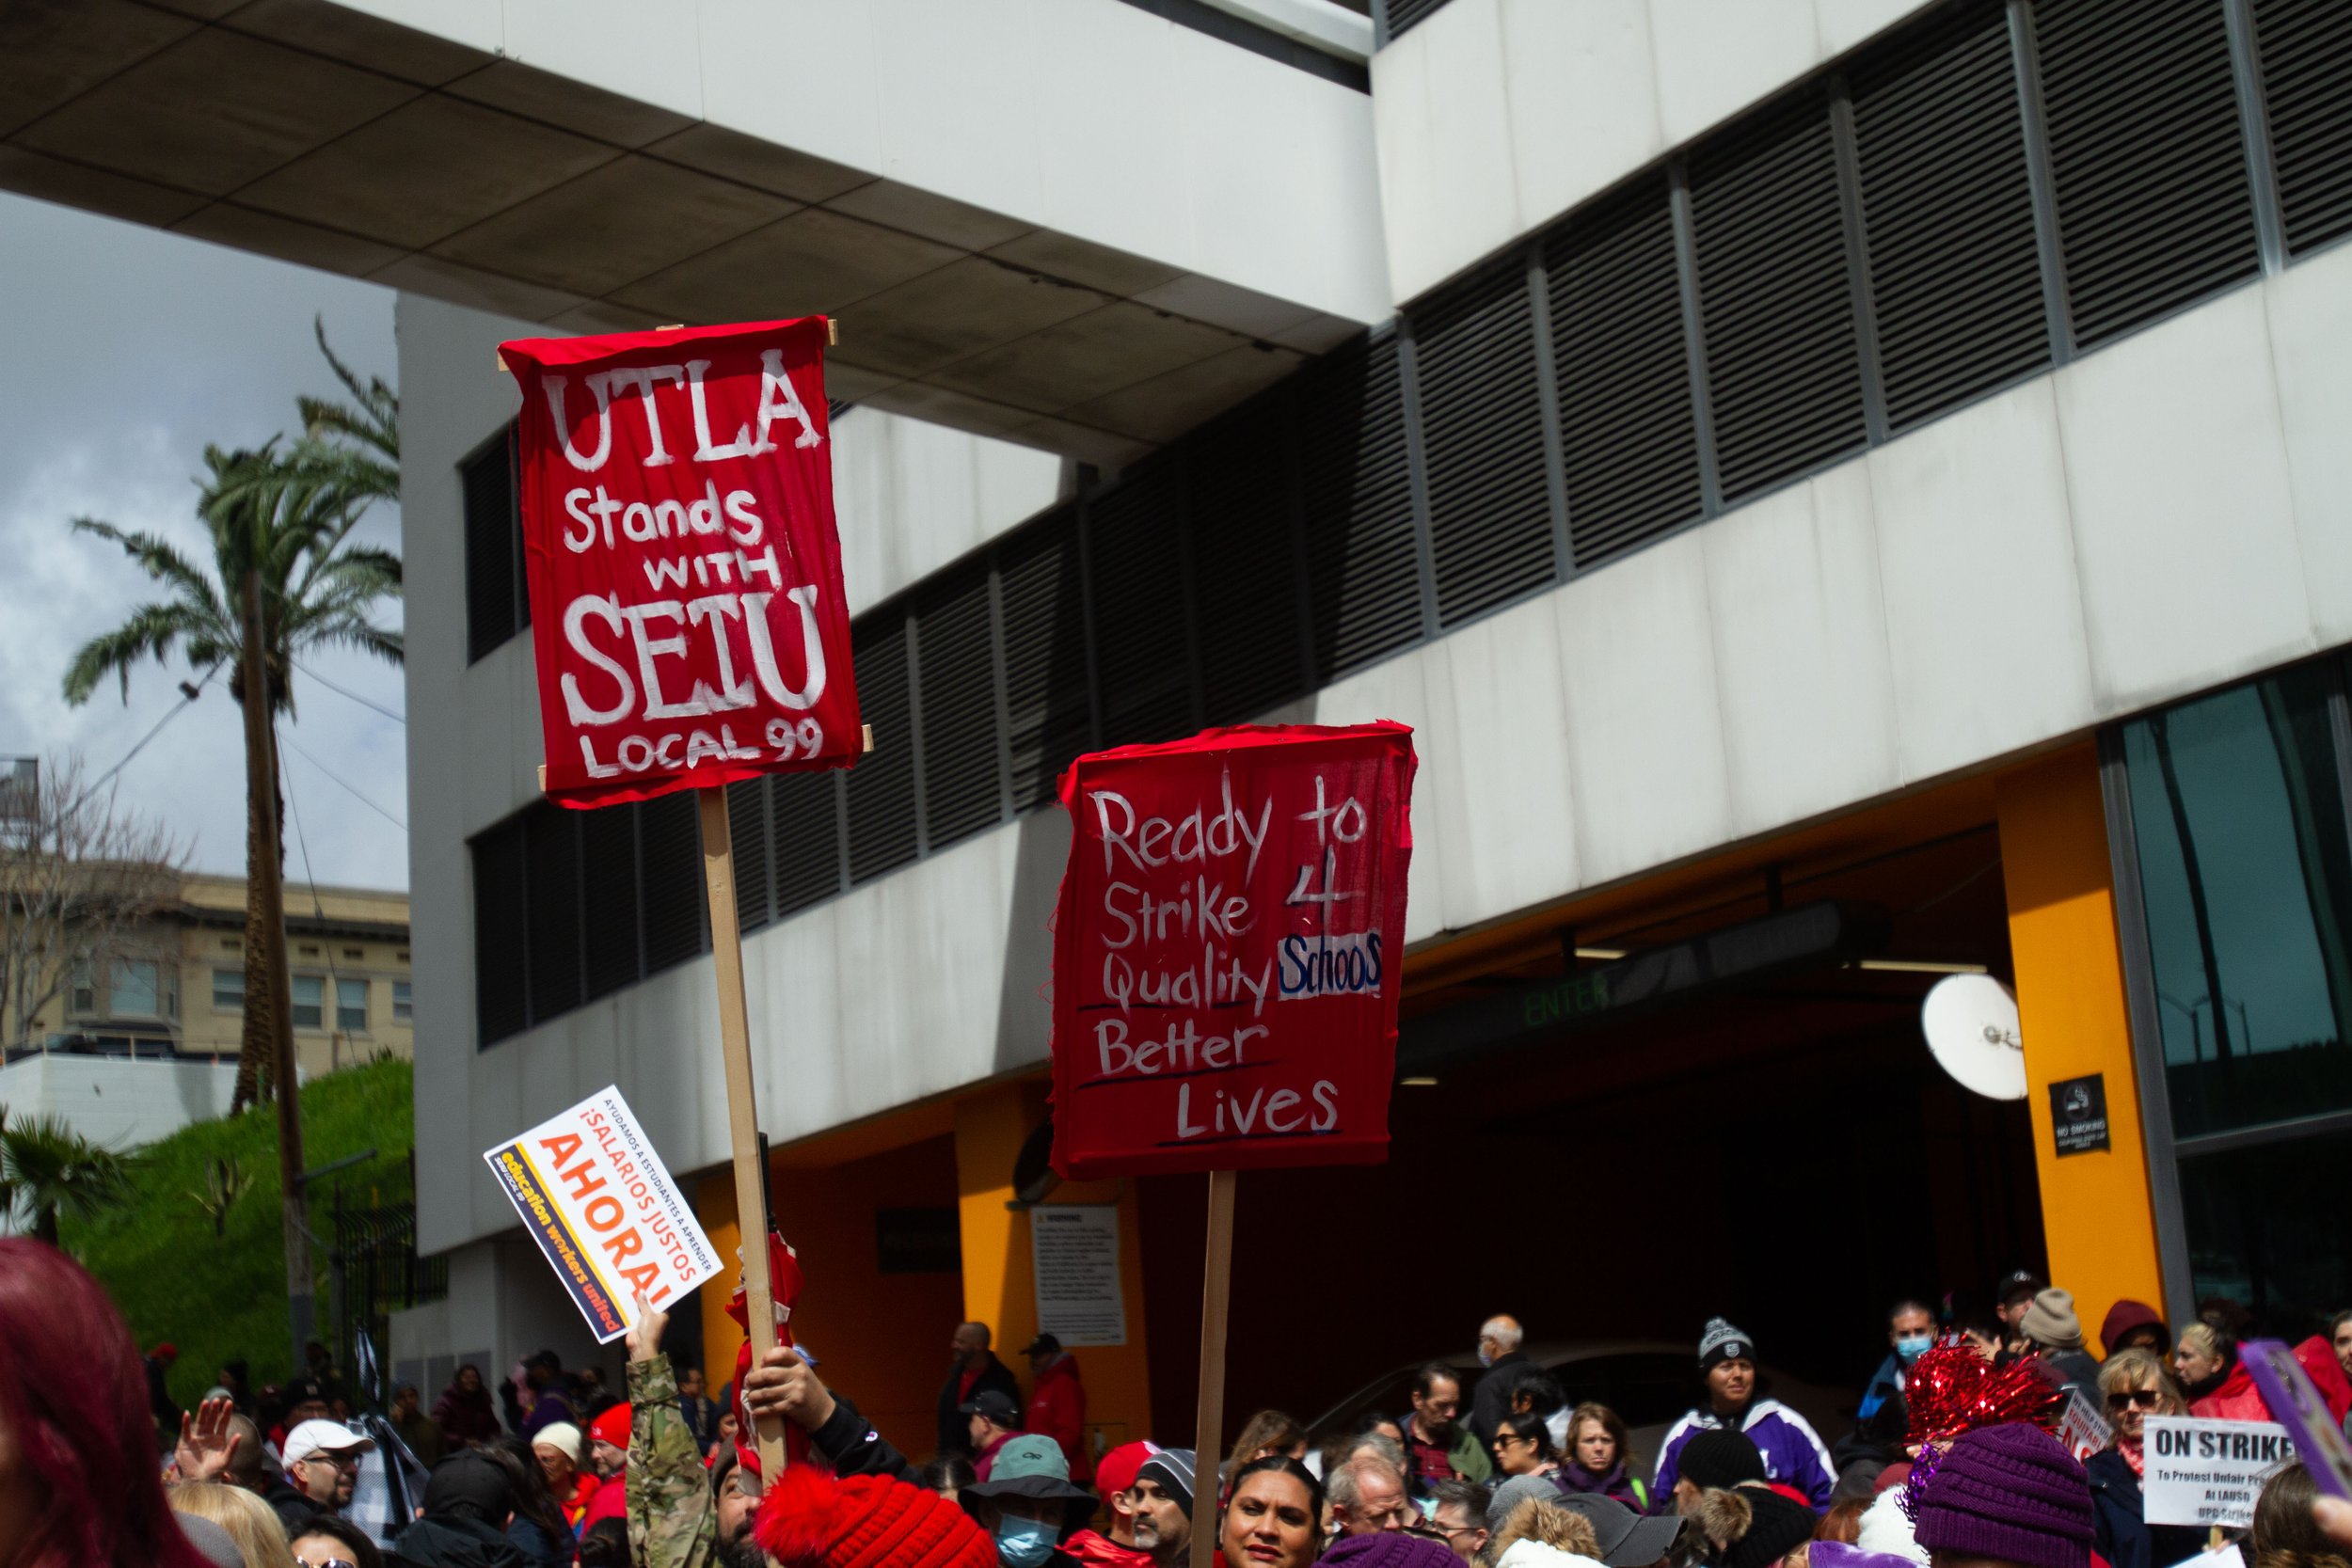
[(82, 881)]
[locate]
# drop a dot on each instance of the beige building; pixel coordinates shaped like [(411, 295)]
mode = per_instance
[(178, 984)]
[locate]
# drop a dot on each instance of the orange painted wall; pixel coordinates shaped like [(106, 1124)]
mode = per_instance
[(1000, 1278), (715, 1205), (2096, 1212), (882, 1339)]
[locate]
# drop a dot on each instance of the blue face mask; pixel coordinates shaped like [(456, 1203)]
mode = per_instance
[(1485, 1359), (1913, 1346), (1023, 1543)]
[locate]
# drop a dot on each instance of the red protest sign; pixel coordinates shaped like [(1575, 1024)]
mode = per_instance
[(1228, 951), (686, 601)]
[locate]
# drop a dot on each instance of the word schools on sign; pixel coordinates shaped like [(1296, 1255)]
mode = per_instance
[(1225, 994)]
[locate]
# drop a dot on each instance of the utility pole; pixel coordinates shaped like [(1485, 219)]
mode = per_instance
[(261, 758)]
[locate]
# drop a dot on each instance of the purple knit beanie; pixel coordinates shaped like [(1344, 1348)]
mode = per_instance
[(2008, 1492), (1390, 1549)]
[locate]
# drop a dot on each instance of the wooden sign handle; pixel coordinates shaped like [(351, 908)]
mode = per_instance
[(734, 1045), (1216, 1291)]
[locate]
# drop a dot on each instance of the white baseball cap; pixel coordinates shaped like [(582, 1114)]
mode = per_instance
[(328, 1437)]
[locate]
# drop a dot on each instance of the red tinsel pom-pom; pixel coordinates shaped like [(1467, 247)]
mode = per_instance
[(1951, 1390)]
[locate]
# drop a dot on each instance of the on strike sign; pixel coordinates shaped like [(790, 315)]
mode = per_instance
[(686, 602), (1227, 951), (2208, 1472)]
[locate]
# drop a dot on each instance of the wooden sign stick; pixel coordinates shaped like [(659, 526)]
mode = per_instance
[(734, 1045), (1216, 1291)]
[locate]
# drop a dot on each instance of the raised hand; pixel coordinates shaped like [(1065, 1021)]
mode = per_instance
[(644, 1341), (206, 1445)]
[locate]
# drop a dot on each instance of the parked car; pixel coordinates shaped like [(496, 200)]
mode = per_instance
[(1649, 1383)]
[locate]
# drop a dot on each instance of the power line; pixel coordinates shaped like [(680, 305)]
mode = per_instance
[(346, 691), (187, 700), (347, 789)]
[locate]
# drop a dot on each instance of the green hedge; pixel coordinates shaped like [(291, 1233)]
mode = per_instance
[(218, 1297)]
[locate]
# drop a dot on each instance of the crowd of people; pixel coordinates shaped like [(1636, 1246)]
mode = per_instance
[(1952, 1461)]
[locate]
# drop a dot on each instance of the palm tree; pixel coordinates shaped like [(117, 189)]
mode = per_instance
[(285, 519), (48, 1169)]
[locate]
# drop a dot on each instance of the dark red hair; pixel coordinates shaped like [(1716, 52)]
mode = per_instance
[(75, 1399)]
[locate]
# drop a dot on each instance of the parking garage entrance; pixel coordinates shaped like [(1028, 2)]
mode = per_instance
[(1706, 1093)]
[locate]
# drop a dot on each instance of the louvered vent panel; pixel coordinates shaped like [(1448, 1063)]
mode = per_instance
[(608, 896), (882, 784), (2152, 203), (492, 560), (960, 786), (1045, 655), (500, 951), (1783, 369), (1363, 576), (553, 848), (1136, 558), (747, 826), (1405, 14), (2307, 78), (1619, 351), (1483, 438), (1955, 273), (1245, 555), (808, 838), (671, 867)]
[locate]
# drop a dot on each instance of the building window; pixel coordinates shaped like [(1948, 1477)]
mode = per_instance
[(497, 603), (82, 998), (403, 1010), (350, 1007), (229, 990), (2232, 833), (134, 989), (309, 1002)]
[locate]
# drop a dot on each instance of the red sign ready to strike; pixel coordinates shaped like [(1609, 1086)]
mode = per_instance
[(686, 600), (1228, 951)]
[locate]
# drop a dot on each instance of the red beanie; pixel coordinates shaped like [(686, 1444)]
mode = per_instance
[(612, 1427), (810, 1520)]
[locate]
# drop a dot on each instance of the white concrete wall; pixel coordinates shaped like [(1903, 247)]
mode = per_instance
[(1495, 117), (1090, 119), (2169, 515), (119, 1103)]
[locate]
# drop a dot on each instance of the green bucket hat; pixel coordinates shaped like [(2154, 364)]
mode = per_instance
[(1031, 1466)]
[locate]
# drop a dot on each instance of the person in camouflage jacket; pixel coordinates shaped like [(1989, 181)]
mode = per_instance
[(677, 1517)]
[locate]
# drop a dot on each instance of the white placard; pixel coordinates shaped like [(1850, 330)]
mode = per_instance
[(1075, 1251), (2209, 1472), (2082, 1429), (594, 1196)]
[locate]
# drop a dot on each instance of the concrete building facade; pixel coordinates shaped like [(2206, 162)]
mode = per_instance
[(1853, 477)]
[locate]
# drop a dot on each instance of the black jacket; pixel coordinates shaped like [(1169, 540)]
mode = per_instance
[(290, 1505), (856, 1449), (2120, 1528), (454, 1541), (955, 1429), (1491, 1400)]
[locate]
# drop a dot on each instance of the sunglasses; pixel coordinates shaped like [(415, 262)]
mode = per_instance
[(2147, 1399)]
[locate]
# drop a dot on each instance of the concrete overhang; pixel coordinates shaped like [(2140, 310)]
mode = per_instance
[(1069, 223)]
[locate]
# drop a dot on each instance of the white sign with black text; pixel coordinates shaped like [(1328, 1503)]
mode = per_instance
[(2209, 1472), (1075, 1249)]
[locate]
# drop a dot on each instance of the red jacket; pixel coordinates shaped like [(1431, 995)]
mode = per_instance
[(1057, 1409), (2236, 1399), (1099, 1551)]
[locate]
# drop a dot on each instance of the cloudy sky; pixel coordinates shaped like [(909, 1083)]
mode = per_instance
[(127, 351)]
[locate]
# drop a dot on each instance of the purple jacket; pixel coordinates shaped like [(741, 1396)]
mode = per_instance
[(1794, 1454)]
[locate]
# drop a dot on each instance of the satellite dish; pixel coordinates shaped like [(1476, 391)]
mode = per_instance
[(1971, 1025)]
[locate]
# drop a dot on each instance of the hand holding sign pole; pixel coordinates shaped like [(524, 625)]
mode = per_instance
[(687, 615), (1226, 972)]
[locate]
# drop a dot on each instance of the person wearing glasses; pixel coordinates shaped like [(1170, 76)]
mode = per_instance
[(326, 1542), (1459, 1517), (323, 1462), (1523, 1447), (2134, 1386)]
